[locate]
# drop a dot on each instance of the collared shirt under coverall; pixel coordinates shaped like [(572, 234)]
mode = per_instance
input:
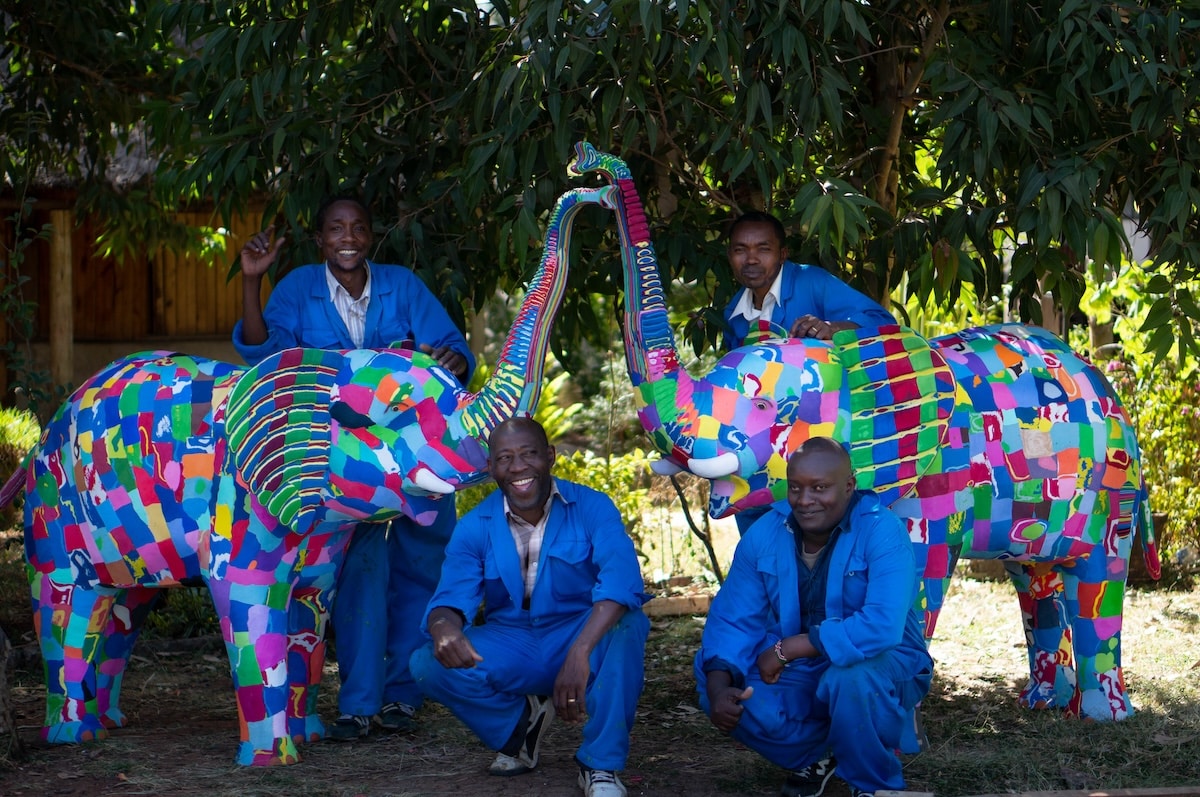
[(386, 580), (803, 290), (856, 698), (586, 557)]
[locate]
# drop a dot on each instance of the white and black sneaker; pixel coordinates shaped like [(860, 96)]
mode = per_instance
[(810, 781), (600, 783), (539, 710)]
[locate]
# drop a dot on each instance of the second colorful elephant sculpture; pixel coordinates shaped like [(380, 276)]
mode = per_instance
[(995, 443), (164, 468)]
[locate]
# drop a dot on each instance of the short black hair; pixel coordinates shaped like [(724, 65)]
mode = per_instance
[(521, 422), (323, 210), (760, 217), (823, 445)]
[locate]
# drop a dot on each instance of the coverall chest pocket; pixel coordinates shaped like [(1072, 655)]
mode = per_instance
[(495, 594), (570, 570), (854, 582), (769, 576)]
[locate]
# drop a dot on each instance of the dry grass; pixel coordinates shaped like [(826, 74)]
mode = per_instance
[(183, 723)]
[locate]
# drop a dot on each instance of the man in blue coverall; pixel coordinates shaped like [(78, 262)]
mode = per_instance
[(563, 631), (812, 645), (805, 300), (388, 575)]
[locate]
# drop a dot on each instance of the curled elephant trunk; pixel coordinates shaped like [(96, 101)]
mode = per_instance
[(515, 384)]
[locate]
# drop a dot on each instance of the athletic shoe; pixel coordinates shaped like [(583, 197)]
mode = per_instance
[(539, 711)]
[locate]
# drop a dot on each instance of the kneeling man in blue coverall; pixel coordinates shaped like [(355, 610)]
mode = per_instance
[(813, 654), (563, 630)]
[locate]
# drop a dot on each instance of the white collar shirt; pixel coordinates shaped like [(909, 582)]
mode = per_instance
[(353, 311)]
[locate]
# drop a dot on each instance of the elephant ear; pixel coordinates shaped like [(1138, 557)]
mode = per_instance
[(901, 398), (278, 425)]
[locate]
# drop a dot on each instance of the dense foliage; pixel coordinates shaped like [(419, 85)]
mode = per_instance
[(977, 142)]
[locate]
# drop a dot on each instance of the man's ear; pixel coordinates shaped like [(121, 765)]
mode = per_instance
[(550, 449), (783, 253)]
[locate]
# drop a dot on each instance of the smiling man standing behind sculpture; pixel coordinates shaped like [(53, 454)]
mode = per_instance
[(563, 629)]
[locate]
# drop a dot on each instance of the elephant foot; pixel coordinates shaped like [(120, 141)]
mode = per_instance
[(114, 718), (306, 729), (283, 754), (86, 730), (1040, 696), (1107, 703)]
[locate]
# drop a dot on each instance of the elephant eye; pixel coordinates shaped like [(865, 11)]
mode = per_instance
[(761, 404)]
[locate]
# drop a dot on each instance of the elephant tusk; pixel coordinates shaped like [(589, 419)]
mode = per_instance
[(714, 467), (665, 467), (426, 480)]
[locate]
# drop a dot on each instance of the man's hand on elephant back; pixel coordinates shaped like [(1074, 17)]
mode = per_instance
[(449, 359)]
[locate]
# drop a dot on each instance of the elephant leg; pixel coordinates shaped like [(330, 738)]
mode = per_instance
[(1046, 620), (253, 610), (129, 611), (69, 619), (308, 615), (1096, 609)]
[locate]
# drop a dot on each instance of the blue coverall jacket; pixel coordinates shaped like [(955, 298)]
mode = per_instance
[(299, 312), (388, 574), (809, 290), (856, 697), (586, 557)]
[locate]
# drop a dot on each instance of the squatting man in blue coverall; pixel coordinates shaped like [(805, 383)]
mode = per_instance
[(813, 654), (563, 630), (348, 302)]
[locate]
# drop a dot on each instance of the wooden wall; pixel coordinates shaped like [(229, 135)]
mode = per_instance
[(153, 300), (156, 296)]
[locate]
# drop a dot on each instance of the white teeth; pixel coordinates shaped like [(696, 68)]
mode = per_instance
[(522, 482)]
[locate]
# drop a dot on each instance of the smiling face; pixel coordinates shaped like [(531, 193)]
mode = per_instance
[(820, 486), (756, 254), (520, 460), (345, 237)]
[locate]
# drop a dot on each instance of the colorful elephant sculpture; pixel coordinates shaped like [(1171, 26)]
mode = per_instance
[(164, 468), (994, 443)]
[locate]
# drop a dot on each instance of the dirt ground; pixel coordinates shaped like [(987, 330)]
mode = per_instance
[(182, 734)]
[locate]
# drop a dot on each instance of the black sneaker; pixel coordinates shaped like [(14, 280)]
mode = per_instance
[(860, 792), (349, 727), (810, 781), (539, 711), (398, 717)]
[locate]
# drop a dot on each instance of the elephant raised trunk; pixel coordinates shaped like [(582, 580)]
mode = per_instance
[(663, 389), (164, 468), (516, 383), (995, 442)]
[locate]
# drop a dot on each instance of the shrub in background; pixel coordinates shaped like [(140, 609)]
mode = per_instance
[(1164, 403), (1162, 397), (19, 432)]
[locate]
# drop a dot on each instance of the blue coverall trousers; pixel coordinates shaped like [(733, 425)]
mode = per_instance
[(385, 584), (520, 660), (859, 713)]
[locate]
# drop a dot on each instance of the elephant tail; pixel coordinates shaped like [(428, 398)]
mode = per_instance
[(1146, 532), (14, 484)]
